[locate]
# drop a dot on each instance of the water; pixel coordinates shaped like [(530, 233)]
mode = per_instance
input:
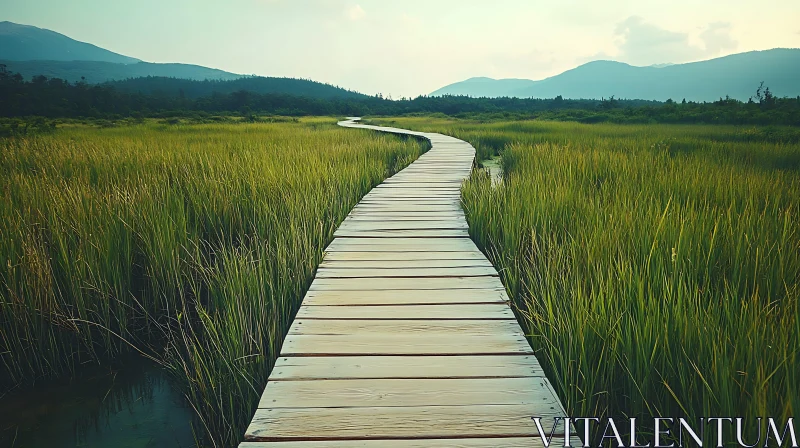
[(495, 170), (135, 407)]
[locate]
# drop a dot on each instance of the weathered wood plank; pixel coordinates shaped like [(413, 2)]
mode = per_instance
[(470, 271), (401, 244), (493, 442), (371, 284), (402, 233), (466, 311), (365, 367), (397, 422), (407, 392), (396, 208), (404, 297), (406, 264), (401, 217), (470, 256), (404, 344), (434, 328), (451, 224), (508, 442), (406, 215)]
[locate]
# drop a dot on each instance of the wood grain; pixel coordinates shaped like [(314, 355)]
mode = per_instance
[(407, 392), (376, 423), (365, 367), (469, 311), (403, 297)]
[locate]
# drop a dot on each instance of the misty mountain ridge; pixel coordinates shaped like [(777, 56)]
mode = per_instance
[(737, 76), (32, 51), (26, 43)]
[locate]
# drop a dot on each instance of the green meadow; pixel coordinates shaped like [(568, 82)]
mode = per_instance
[(187, 244), (654, 267)]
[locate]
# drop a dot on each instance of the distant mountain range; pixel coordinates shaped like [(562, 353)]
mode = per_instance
[(32, 51), (737, 76)]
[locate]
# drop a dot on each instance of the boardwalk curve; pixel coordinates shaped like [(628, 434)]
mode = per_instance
[(405, 337)]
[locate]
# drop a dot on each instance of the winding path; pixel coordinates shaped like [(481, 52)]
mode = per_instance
[(405, 337)]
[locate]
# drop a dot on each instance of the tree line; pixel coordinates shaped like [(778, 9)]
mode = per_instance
[(56, 98)]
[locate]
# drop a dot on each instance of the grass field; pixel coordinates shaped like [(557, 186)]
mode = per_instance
[(191, 244), (655, 267)]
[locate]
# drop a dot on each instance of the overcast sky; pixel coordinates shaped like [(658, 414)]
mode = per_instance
[(412, 47)]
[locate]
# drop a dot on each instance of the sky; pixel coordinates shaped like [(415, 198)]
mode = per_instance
[(405, 48)]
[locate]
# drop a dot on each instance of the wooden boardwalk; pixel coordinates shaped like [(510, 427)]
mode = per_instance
[(405, 337)]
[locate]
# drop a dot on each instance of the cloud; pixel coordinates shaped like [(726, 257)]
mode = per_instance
[(355, 12), (643, 43), (717, 38)]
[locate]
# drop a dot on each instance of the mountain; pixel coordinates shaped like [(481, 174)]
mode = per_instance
[(32, 51), (737, 76), (25, 43), (95, 72), (486, 87)]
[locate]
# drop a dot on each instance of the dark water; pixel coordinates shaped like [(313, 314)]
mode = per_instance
[(495, 170), (136, 406)]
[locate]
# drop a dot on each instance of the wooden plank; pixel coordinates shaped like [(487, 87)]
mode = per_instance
[(433, 187), (405, 193), (469, 271), (403, 233), (399, 244), (434, 328), (378, 423), (445, 311), (371, 284), (404, 344), (405, 264), (415, 198), (366, 367), (403, 256), (406, 215), (407, 392), (404, 225), (404, 297), (405, 208), (465, 242), (493, 442)]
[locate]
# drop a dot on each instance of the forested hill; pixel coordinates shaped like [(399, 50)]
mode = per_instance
[(185, 88), (98, 72)]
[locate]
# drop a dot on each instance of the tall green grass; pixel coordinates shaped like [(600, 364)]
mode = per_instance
[(191, 245), (655, 267)]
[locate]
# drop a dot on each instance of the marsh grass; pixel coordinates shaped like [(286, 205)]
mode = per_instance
[(654, 267), (190, 244)]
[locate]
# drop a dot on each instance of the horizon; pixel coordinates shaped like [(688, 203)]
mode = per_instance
[(412, 49)]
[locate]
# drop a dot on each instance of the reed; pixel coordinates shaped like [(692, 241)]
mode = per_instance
[(654, 267), (191, 245)]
